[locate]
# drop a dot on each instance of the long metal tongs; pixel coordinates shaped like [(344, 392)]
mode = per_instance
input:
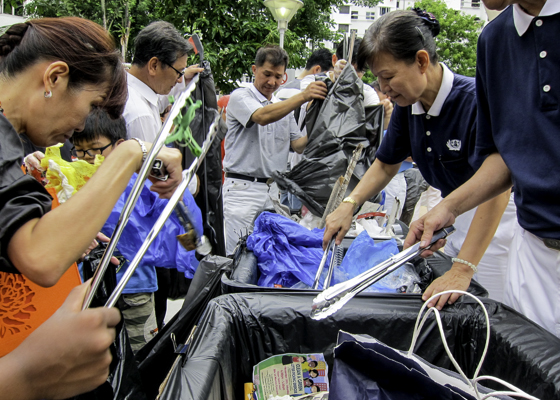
[(137, 189), (330, 247), (334, 298), (167, 211)]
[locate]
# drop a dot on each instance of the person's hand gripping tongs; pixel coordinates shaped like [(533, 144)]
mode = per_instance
[(334, 298)]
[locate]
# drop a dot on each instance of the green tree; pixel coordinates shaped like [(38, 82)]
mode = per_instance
[(230, 30), (456, 43)]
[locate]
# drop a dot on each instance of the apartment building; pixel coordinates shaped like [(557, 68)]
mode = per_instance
[(351, 18)]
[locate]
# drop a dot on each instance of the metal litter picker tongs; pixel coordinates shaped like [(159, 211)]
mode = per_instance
[(146, 169), (334, 298), (165, 214)]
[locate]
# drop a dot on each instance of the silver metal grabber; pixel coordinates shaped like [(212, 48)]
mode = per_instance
[(334, 298), (137, 189)]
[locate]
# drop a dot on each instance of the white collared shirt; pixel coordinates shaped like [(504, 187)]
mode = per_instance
[(522, 20), (444, 90), (141, 112)]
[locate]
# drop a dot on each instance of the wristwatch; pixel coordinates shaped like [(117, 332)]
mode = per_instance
[(351, 201)]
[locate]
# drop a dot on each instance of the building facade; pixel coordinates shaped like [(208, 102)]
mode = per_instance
[(10, 15), (350, 18)]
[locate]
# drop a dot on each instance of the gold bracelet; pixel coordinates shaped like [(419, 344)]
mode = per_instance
[(351, 201), (459, 260)]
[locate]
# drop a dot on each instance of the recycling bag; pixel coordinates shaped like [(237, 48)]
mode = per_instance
[(366, 368), (165, 251)]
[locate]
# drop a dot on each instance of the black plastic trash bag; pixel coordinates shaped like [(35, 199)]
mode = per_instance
[(210, 173), (156, 358), (239, 330), (335, 127), (109, 281)]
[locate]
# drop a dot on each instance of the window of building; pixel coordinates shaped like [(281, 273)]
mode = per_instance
[(470, 3), (398, 4), (354, 31), (384, 10), (7, 8), (343, 27), (370, 15), (354, 15), (344, 10)]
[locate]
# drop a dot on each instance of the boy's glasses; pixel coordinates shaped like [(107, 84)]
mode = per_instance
[(181, 73), (89, 152)]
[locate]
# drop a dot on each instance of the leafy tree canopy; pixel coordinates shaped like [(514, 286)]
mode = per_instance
[(456, 43), (231, 31)]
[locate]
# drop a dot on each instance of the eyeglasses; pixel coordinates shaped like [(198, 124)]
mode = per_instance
[(181, 73), (90, 152)]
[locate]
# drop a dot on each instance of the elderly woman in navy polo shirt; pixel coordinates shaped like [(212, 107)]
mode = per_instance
[(519, 131), (435, 123)]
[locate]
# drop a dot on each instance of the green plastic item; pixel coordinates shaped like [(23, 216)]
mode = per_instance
[(182, 132)]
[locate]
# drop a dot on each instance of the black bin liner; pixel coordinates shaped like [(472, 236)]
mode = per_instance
[(335, 127), (239, 330), (210, 172), (245, 275), (157, 356)]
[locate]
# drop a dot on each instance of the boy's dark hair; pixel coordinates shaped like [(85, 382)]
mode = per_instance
[(340, 50), (273, 54), (322, 58), (99, 124), (159, 39)]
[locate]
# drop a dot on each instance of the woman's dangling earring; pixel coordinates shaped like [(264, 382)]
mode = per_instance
[(48, 94)]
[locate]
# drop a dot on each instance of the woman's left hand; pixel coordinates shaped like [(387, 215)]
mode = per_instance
[(454, 279)]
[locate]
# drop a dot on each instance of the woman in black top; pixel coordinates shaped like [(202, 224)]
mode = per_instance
[(52, 73)]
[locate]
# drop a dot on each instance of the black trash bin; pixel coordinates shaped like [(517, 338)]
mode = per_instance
[(239, 330), (156, 358)]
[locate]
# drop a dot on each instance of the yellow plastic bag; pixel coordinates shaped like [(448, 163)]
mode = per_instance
[(67, 177)]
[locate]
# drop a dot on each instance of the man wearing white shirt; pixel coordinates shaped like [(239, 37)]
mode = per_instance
[(159, 62)]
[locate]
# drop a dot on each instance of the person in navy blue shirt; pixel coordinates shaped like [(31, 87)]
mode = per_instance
[(518, 129), (400, 50)]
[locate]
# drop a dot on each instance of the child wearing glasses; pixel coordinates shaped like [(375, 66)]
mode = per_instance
[(101, 136)]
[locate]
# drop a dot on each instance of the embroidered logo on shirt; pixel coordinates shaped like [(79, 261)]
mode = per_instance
[(454, 144)]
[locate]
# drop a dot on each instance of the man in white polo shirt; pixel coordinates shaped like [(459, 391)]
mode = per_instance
[(261, 129), (159, 62)]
